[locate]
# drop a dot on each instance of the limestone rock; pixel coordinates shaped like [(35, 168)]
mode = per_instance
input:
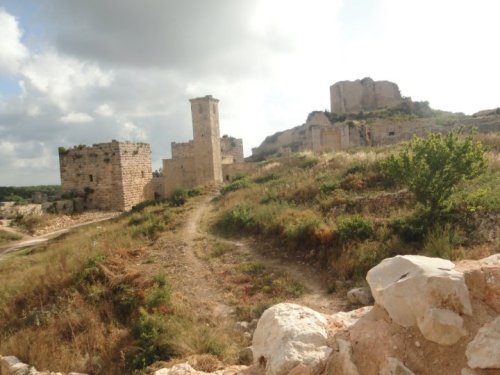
[(394, 366), (360, 296), (417, 290), (288, 335), (484, 350), (340, 361), (343, 320)]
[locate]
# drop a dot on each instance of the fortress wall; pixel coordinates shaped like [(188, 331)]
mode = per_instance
[(136, 175), (111, 176), (92, 171), (231, 147), (182, 150), (178, 173)]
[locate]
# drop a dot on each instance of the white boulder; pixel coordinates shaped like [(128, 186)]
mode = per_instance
[(423, 291), (484, 350), (288, 335)]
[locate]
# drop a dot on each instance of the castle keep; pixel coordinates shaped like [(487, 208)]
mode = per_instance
[(205, 159), (111, 176)]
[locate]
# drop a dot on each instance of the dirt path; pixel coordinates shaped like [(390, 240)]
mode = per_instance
[(196, 275), (193, 279), (28, 241)]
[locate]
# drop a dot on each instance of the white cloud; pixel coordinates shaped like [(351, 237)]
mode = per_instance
[(60, 78), (104, 110), (76, 118), (12, 51)]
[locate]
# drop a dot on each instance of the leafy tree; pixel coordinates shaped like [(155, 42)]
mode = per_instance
[(432, 167)]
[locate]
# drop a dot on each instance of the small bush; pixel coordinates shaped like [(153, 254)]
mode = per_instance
[(266, 178), (125, 301), (29, 222), (6, 237), (328, 187), (353, 182), (235, 185), (158, 295), (178, 197), (238, 218), (354, 228), (92, 272), (152, 338)]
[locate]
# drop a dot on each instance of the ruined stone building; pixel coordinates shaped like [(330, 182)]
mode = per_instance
[(363, 95), (207, 158), (319, 133), (110, 176), (117, 175)]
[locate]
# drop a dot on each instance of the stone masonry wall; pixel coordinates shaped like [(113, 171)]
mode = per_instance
[(182, 150), (363, 95), (232, 148), (206, 139), (136, 174), (111, 176)]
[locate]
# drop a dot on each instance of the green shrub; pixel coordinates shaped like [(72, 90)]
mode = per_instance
[(6, 237), (178, 197), (439, 241), (237, 218), (354, 228), (235, 185), (266, 178), (413, 227), (92, 272), (433, 167), (158, 295), (125, 301), (149, 225), (152, 339), (302, 231), (29, 222), (328, 187)]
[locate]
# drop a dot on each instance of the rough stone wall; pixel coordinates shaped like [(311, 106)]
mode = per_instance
[(136, 174), (231, 150), (179, 173), (206, 140), (111, 176), (363, 95), (182, 150)]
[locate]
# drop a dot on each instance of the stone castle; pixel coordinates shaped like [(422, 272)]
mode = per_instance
[(117, 175), (339, 130)]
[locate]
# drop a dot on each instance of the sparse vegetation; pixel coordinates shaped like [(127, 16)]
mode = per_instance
[(6, 237)]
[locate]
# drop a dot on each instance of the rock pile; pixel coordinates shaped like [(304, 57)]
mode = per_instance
[(430, 317), (12, 366)]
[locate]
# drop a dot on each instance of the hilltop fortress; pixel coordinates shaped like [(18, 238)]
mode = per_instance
[(117, 175), (368, 113)]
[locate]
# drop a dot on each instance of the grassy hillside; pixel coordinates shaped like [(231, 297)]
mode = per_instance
[(338, 210)]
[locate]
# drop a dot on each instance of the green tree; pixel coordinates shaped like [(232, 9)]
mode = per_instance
[(432, 167)]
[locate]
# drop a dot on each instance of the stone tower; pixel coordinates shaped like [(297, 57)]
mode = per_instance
[(206, 139)]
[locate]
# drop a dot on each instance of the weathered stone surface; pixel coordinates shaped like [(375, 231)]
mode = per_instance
[(343, 320), (363, 95), (394, 366), (360, 296), (340, 361), (414, 289), (64, 206), (484, 350), (288, 335)]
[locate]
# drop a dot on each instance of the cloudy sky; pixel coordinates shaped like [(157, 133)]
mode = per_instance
[(83, 72)]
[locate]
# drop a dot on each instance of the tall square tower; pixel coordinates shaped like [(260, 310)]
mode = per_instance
[(206, 139)]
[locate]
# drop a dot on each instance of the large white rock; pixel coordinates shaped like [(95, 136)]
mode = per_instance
[(423, 291), (484, 350), (288, 335)]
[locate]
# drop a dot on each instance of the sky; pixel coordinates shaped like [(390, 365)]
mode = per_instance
[(84, 72)]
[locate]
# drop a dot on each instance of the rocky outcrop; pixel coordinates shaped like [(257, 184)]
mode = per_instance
[(13, 366), (413, 296), (484, 350), (422, 291), (289, 335), (363, 95)]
